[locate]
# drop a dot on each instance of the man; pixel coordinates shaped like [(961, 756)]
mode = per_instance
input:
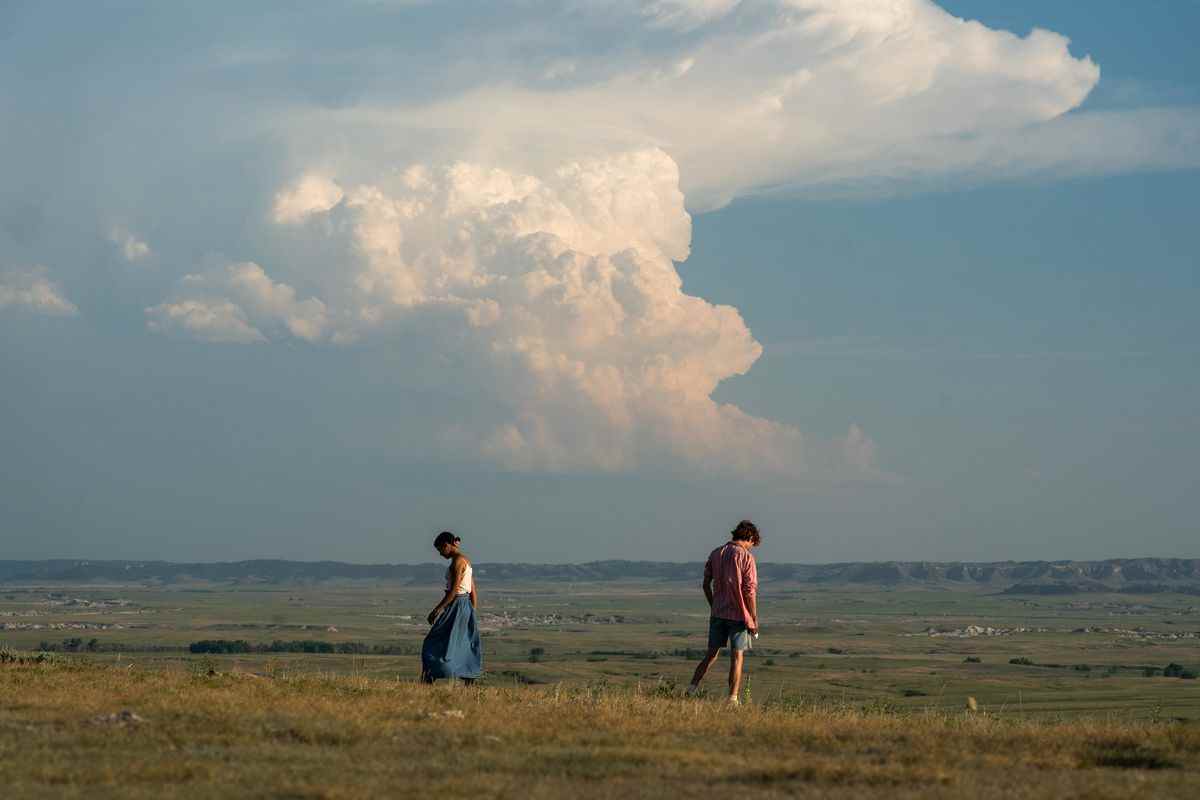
[(731, 586)]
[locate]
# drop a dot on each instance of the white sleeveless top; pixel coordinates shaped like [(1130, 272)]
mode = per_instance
[(466, 585)]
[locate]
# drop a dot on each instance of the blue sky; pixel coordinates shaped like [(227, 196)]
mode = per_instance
[(975, 303)]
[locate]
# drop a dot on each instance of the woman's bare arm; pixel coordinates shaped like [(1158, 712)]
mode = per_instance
[(457, 568)]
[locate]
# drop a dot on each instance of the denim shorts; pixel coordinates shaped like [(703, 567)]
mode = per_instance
[(723, 631)]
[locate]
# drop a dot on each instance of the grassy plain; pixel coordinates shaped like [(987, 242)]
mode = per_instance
[(195, 734), (852, 691), (853, 645)]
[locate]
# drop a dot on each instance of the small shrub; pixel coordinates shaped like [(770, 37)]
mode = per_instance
[(10, 656), (1082, 668), (219, 646), (1127, 755), (204, 667), (835, 651), (972, 660), (513, 675), (1021, 661), (535, 654), (789, 702), (915, 693), (880, 706), (690, 653)]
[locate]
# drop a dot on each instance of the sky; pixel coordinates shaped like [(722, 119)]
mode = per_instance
[(596, 279)]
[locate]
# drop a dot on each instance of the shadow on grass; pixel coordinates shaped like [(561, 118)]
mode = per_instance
[(1125, 754)]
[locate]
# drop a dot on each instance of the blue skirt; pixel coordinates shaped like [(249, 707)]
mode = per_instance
[(452, 648)]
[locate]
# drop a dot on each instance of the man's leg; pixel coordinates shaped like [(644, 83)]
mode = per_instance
[(735, 672), (702, 668), (718, 637)]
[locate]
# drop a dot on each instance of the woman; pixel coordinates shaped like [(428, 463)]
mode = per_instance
[(452, 648)]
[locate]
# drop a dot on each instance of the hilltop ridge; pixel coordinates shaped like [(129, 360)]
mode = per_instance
[(1133, 575)]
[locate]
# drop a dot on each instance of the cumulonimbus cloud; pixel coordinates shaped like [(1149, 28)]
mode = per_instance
[(534, 211), (566, 287)]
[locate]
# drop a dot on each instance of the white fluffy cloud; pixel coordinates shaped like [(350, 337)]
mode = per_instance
[(565, 287), (236, 304), (32, 290), (208, 320), (312, 194)]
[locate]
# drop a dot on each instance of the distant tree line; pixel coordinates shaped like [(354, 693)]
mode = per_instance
[(76, 644), (219, 646), (1171, 670), (1174, 670)]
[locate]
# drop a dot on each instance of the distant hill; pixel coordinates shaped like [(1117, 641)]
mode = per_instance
[(1133, 575)]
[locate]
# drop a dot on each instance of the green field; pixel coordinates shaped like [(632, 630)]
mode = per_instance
[(1093, 654)]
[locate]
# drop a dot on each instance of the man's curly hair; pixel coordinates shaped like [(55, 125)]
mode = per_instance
[(746, 531)]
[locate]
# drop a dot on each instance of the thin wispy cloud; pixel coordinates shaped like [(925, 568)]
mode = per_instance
[(853, 348)]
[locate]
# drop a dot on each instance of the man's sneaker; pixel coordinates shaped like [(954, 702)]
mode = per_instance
[(692, 690), (734, 701)]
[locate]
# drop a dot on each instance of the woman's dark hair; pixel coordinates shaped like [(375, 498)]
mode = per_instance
[(746, 531), (445, 537)]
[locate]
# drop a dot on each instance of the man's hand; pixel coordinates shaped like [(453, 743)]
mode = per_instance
[(753, 628)]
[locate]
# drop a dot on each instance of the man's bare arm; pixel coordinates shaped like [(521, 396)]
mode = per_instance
[(750, 594), (708, 592)]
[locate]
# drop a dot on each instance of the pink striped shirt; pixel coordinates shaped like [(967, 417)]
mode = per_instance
[(735, 581)]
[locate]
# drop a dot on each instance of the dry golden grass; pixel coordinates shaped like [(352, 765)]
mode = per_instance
[(279, 736)]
